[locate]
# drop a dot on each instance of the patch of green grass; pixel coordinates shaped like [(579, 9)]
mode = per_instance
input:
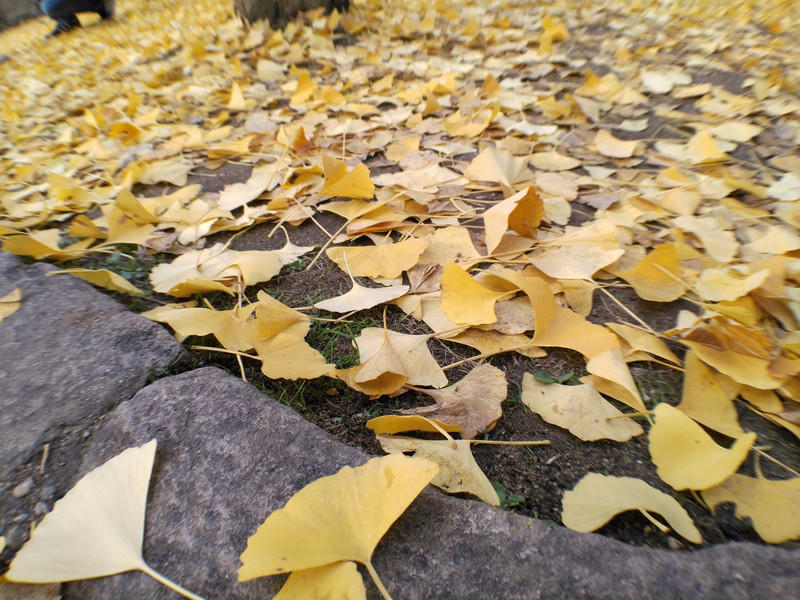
[(507, 501), (336, 340), (658, 384)]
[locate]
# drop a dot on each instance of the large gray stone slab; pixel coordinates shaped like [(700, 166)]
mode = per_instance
[(67, 355), (228, 456)]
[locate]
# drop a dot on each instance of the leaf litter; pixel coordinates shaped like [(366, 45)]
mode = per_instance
[(465, 158)]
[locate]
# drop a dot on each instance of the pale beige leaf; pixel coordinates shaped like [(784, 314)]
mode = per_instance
[(97, 529), (578, 408), (360, 298), (458, 471)]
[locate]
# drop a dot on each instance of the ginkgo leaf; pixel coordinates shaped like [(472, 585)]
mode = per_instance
[(521, 213), (705, 400), (458, 471), (274, 317), (360, 298), (287, 356), (494, 164), (411, 351), (786, 189), (341, 182), (612, 377), (574, 262), (687, 457), (237, 102), (715, 285), (702, 148), (263, 178), (640, 341), (337, 518), (579, 408), (44, 243), (599, 498), (386, 260), (743, 367), (336, 581), (657, 276), (103, 278), (233, 328), (773, 506), (553, 161), (608, 145), (464, 300), (561, 327), (97, 528), (473, 402), (10, 303), (392, 424)]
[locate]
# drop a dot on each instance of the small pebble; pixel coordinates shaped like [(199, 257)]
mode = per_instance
[(41, 509), (23, 489), (47, 493), (674, 544), (15, 537)]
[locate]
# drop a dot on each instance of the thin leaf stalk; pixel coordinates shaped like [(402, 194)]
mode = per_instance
[(147, 569), (377, 580)]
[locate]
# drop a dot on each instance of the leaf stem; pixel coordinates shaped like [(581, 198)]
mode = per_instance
[(147, 569), (478, 357), (223, 350), (517, 443), (760, 452), (378, 583), (654, 521), (627, 310)]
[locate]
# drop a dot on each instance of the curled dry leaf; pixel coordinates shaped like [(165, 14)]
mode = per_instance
[(599, 498), (413, 359), (474, 402), (458, 471), (521, 213), (579, 408)]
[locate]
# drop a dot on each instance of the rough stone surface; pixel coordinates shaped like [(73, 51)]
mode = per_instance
[(228, 456), (68, 354), (14, 11)]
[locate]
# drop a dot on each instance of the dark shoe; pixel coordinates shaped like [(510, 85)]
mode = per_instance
[(108, 10), (63, 25)]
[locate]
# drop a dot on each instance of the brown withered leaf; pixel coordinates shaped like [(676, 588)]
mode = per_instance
[(474, 402)]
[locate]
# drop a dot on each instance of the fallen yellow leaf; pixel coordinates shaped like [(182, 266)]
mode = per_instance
[(687, 457), (599, 498)]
